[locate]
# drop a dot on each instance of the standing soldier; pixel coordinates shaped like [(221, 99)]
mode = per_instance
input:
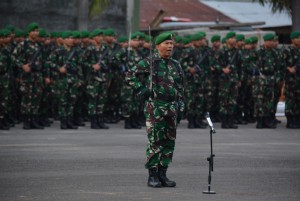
[(227, 62), (94, 62), (196, 64), (213, 105), (27, 56), (67, 77), (130, 104), (264, 83), (5, 65), (292, 82), (249, 66), (114, 78), (163, 93)]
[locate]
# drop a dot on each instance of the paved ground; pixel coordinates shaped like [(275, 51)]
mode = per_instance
[(107, 165)]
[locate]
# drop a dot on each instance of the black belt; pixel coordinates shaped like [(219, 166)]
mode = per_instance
[(268, 73), (166, 98)]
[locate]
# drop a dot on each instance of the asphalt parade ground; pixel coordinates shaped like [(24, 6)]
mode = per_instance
[(108, 165)]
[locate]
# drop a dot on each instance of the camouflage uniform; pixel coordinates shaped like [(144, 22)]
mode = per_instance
[(32, 83), (65, 84), (130, 104), (292, 89), (96, 84), (5, 64), (161, 108), (228, 84), (263, 87), (196, 86)]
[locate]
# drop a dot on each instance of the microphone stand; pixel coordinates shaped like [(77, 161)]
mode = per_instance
[(210, 159)]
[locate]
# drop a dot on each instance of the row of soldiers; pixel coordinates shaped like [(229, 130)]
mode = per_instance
[(82, 74)]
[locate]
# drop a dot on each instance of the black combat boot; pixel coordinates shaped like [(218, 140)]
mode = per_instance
[(78, 121), (94, 122), (225, 122), (259, 123), (70, 123), (26, 122), (101, 122), (127, 124), (134, 123), (2, 126), (162, 176), (43, 121), (199, 123), (269, 122), (63, 123), (290, 121), (153, 180), (191, 121), (230, 122), (34, 123)]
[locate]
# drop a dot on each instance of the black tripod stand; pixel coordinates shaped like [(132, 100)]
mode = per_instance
[(210, 159)]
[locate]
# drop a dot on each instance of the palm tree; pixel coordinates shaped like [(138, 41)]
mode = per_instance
[(291, 6)]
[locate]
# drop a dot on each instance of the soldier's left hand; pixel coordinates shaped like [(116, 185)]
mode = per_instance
[(47, 80), (292, 69), (96, 67)]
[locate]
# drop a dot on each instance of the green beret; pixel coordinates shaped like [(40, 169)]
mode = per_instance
[(147, 38), (122, 39), (163, 37), (97, 32), (224, 40), (178, 39), (84, 34), (295, 34), (136, 35), (43, 33), (248, 41), (186, 40), (230, 35), (32, 26), (203, 33), (197, 36), (66, 34), (215, 38), (19, 33), (109, 32), (268, 37), (5, 32), (76, 34), (141, 35), (240, 37), (254, 39), (10, 27)]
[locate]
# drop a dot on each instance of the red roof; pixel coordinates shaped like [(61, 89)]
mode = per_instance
[(191, 9)]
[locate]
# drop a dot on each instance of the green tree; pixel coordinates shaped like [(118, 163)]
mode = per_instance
[(291, 6)]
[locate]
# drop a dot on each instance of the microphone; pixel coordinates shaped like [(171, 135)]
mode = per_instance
[(209, 122)]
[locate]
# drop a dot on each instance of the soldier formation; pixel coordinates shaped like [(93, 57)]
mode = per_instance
[(76, 77)]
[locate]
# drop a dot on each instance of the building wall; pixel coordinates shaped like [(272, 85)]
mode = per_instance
[(60, 15)]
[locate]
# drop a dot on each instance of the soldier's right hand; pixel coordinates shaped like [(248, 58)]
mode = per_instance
[(292, 69), (192, 70), (26, 68), (63, 69), (226, 70), (96, 67)]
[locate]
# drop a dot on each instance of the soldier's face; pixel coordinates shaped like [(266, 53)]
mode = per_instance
[(34, 34), (165, 48), (296, 42), (231, 41), (135, 43), (69, 42)]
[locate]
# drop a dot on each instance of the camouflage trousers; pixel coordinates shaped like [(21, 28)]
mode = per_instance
[(31, 90), (128, 100), (292, 96), (161, 130), (228, 93), (196, 98), (4, 96), (97, 95), (263, 93), (66, 95)]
